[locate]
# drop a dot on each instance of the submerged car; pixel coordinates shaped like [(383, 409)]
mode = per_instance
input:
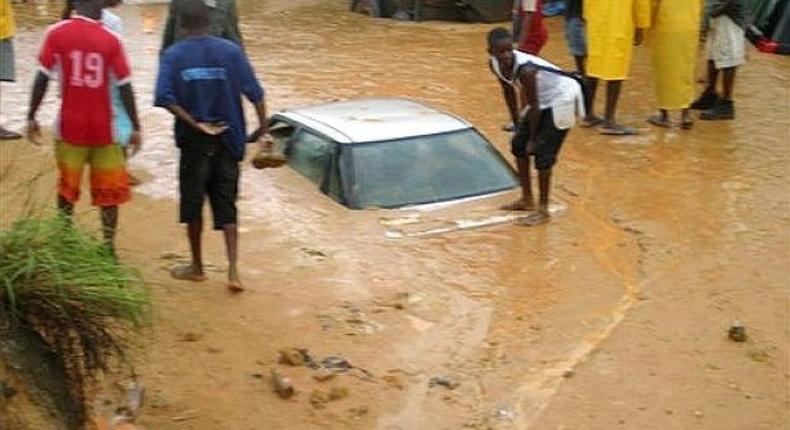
[(390, 153)]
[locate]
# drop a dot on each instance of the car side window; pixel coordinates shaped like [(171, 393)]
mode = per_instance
[(311, 156)]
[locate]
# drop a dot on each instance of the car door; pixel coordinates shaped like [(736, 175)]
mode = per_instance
[(315, 157)]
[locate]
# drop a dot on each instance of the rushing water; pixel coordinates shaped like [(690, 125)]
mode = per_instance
[(638, 208)]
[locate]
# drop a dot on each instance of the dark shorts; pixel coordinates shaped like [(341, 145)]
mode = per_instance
[(576, 36), (7, 72), (549, 140), (208, 169)]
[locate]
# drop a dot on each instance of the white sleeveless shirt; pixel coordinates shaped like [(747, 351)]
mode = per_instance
[(560, 93)]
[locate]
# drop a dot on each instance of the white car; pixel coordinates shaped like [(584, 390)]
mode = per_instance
[(390, 153)]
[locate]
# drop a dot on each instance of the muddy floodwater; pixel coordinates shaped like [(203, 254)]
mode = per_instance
[(614, 315)]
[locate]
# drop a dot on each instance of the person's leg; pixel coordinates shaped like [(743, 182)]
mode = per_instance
[(231, 233), (612, 96), (65, 207), (544, 183), (729, 83), (71, 162), (519, 150), (708, 98), (686, 123), (194, 234), (109, 223), (222, 190), (660, 120), (192, 177), (109, 187), (592, 88), (610, 125)]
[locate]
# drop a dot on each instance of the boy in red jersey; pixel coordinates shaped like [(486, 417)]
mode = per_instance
[(86, 54)]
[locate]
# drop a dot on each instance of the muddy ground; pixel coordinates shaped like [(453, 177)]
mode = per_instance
[(612, 316)]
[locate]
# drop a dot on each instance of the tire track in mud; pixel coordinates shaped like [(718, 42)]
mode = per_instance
[(533, 396)]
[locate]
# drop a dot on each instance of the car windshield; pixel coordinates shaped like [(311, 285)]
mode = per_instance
[(427, 169)]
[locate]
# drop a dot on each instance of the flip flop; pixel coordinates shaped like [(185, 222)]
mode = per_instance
[(619, 130), (185, 272), (591, 122), (9, 135), (658, 121), (235, 286)]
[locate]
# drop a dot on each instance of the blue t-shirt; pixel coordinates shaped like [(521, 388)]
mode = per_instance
[(206, 76)]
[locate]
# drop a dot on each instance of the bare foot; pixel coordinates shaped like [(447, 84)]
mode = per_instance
[(188, 272), (235, 286), (592, 121), (518, 205)]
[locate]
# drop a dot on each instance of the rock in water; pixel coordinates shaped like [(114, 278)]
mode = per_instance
[(282, 385), (737, 331)]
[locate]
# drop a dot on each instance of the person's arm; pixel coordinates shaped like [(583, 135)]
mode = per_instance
[(529, 7), (254, 92), (48, 61), (40, 86), (529, 88), (511, 99), (127, 97), (169, 35), (642, 19), (232, 31)]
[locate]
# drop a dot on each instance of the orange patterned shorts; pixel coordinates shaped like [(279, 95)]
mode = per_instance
[(108, 177)]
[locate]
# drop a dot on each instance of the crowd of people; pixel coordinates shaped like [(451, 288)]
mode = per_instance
[(204, 73), (543, 100)]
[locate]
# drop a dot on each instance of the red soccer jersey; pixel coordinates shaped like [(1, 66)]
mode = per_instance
[(84, 53)]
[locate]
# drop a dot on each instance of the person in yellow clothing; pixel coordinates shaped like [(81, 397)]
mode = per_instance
[(613, 27), (674, 40), (7, 72)]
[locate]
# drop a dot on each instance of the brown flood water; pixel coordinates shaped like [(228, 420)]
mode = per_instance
[(612, 316)]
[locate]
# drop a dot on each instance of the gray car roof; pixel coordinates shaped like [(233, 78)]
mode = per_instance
[(374, 119)]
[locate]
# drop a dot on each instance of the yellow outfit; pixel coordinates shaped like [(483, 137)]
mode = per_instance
[(610, 34), (674, 41), (7, 27)]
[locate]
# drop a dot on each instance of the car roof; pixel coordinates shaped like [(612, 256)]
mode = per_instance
[(374, 119)]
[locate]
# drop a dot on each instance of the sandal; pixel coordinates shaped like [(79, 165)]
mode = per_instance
[(9, 135), (659, 121), (186, 272), (618, 130)]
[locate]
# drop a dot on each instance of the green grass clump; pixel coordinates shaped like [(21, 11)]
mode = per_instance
[(69, 289)]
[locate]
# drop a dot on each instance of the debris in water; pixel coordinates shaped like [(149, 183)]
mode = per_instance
[(338, 364), (319, 399), (323, 375), (444, 381), (282, 385), (338, 393), (737, 331)]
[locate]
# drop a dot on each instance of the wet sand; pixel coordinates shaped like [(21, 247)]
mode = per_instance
[(612, 316)]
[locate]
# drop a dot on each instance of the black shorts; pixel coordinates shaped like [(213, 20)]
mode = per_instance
[(207, 168), (549, 140)]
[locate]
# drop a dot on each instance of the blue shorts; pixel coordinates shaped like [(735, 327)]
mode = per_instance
[(576, 36)]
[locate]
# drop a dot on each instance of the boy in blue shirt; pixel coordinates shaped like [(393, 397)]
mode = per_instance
[(201, 81)]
